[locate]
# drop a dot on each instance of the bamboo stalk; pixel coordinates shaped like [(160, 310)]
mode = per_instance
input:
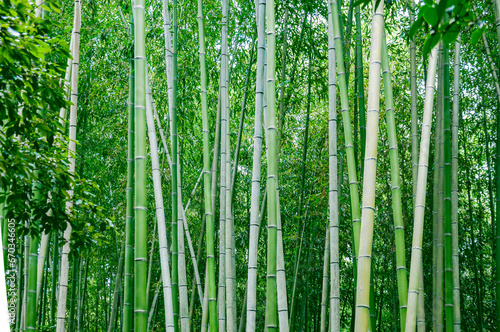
[(440, 200), (448, 259), (281, 275), (183, 296), (272, 174), (416, 252), (369, 177), (174, 179), (454, 189), (64, 267), (221, 298), (256, 171), (140, 204), (333, 184), (346, 118), (128, 298), (395, 186), (160, 213), (324, 285)]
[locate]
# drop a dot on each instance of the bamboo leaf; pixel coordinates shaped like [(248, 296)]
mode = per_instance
[(476, 35), (431, 16), (431, 42)]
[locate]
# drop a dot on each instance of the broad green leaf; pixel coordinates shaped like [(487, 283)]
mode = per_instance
[(476, 35), (431, 16), (431, 41), (415, 26)]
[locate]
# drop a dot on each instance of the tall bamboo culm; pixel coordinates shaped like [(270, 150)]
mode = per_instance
[(210, 229), (160, 213), (141, 234), (128, 296), (448, 259), (221, 298), (272, 173), (395, 187), (64, 267), (260, 7), (369, 177), (174, 144), (346, 118), (418, 227), (333, 188), (454, 189)]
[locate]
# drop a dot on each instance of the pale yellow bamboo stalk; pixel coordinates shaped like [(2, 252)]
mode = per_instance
[(369, 175), (418, 227)]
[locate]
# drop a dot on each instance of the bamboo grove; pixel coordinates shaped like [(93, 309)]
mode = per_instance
[(275, 165)]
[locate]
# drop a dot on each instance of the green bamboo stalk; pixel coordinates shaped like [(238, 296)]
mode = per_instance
[(272, 173), (81, 298), (210, 229), (324, 285), (221, 299), (260, 8), (55, 260), (363, 306), (395, 186), (44, 248), (173, 142), (31, 308), (72, 307), (413, 106), (128, 298), (416, 253), (440, 199), (333, 183), (454, 189), (141, 233), (435, 201), (346, 119), (448, 259), (360, 85)]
